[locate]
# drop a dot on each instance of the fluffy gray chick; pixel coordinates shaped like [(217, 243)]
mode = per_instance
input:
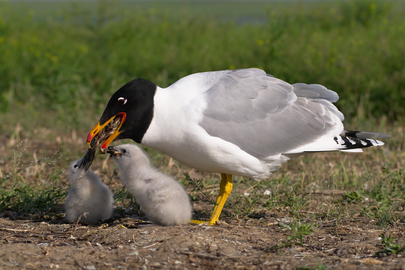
[(162, 199), (88, 197)]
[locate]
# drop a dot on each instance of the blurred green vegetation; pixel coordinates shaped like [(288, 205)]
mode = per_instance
[(59, 65)]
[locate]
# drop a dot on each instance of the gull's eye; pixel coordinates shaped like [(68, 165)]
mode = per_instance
[(75, 166), (122, 101)]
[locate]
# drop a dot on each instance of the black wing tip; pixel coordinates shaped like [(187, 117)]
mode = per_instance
[(364, 134), (351, 142), (358, 139)]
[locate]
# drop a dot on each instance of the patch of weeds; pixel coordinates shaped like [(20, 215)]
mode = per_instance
[(386, 218), (385, 196), (17, 194), (319, 267), (394, 178), (198, 186), (126, 199), (390, 185), (295, 201), (246, 204), (382, 211), (298, 230), (353, 197), (379, 192), (389, 246), (23, 197), (286, 193)]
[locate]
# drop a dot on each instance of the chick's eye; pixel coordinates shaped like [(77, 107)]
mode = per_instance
[(122, 101)]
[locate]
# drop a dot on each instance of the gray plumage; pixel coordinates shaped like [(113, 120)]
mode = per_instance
[(269, 116), (162, 199), (89, 198), (248, 123)]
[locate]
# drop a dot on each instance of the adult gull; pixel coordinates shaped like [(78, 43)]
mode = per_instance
[(234, 122)]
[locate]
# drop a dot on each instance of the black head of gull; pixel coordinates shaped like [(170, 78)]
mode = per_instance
[(243, 122), (128, 113)]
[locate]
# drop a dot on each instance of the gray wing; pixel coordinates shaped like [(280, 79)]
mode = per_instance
[(266, 116)]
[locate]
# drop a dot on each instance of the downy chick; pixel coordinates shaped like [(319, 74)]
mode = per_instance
[(162, 199), (89, 198)]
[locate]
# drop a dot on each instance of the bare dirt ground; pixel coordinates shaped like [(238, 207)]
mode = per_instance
[(124, 244), (128, 241)]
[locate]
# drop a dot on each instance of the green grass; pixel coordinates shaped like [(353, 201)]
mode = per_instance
[(319, 267), (28, 198), (389, 246), (297, 232)]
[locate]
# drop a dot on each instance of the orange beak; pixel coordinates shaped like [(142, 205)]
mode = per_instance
[(98, 128)]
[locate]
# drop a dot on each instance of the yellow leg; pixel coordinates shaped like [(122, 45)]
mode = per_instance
[(224, 191)]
